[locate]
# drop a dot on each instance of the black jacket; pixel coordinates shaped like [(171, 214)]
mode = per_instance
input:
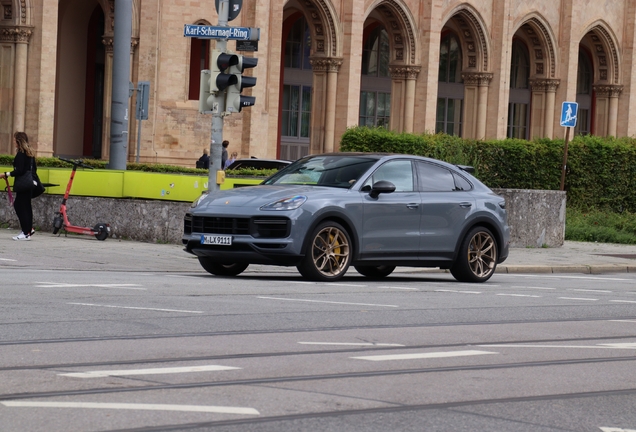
[(21, 164)]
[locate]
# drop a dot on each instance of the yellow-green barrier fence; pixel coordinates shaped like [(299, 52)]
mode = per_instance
[(131, 184)]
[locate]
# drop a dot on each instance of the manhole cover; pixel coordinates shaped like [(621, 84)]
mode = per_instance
[(626, 256)]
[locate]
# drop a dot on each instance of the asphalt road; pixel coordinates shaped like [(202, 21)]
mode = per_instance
[(108, 336)]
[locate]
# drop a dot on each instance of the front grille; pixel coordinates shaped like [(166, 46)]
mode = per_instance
[(219, 225), (271, 227), (260, 227)]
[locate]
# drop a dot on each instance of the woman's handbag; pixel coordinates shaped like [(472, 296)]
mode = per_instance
[(24, 183), (38, 188)]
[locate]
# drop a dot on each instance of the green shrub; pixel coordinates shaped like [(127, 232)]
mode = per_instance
[(600, 226), (601, 172)]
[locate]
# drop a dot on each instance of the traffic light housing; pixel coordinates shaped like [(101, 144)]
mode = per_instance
[(235, 101), (215, 81)]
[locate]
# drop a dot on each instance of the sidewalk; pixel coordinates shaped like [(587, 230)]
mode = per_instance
[(75, 252)]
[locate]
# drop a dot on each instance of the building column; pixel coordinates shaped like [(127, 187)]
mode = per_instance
[(326, 114), (475, 103), (412, 72), (542, 103), (606, 116), (21, 36)]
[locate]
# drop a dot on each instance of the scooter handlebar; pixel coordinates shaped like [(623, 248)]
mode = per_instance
[(77, 162)]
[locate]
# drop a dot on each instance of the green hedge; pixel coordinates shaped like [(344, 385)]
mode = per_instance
[(601, 172), (52, 162)]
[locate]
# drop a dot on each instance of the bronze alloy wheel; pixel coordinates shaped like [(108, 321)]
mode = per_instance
[(482, 254), (477, 257), (329, 253)]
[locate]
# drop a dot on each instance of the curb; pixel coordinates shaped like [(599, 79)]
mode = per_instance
[(583, 268)]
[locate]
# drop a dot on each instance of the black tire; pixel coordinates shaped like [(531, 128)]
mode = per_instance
[(57, 224), (375, 272), (102, 231), (328, 253), (477, 256), (219, 269)]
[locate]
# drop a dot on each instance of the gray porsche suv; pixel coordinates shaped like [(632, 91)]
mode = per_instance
[(375, 211)]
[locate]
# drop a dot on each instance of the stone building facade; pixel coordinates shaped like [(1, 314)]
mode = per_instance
[(475, 68)]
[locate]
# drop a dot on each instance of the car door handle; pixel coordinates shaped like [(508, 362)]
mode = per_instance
[(465, 204), (412, 205)]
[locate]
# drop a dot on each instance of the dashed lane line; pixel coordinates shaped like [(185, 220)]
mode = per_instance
[(151, 371), (424, 355), (136, 308), (133, 406), (328, 302)]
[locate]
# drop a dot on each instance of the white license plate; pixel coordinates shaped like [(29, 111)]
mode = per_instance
[(216, 240)]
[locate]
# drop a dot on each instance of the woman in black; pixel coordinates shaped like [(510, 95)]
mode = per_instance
[(24, 161)]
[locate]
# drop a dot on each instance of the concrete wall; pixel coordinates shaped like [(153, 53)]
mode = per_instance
[(536, 218)]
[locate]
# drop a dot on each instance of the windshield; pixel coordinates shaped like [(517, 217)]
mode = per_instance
[(330, 170)]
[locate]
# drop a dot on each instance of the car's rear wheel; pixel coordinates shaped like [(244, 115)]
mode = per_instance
[(477, 258), (328, 253), (375, 272), (219, 269)]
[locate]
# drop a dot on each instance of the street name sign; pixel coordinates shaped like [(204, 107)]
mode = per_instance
[(220, 32)]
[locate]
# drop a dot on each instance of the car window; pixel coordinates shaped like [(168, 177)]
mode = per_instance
[(461, 183), (398, 172), (330, 170), (434, 178)]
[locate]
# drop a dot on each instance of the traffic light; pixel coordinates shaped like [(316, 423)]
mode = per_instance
[(235, 101), (214, 82)]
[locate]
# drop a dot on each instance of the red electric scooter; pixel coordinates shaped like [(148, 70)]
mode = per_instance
[(101, 231)]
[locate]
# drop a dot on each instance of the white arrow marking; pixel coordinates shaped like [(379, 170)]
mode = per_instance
[(612, 429), (133, 406), (423, 355), (153, 371)]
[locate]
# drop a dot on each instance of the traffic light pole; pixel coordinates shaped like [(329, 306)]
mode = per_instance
[(216, 148)]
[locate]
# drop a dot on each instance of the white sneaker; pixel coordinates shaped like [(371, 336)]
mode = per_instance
[(22, 236)]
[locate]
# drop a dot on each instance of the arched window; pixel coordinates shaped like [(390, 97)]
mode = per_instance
[(375, 94), (199, 60), (584, 94), (296, 90), (519, 101), (450, 90)]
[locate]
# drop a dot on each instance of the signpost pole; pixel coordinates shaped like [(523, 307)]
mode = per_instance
[(216, 138), (565, 157)]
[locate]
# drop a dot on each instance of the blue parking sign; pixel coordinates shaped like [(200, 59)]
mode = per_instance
[(569, 111)]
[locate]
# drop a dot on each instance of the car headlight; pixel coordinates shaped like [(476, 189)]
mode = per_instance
[(290, 203), (198, 200)]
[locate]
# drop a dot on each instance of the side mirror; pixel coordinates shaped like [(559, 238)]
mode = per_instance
[(382, 186)]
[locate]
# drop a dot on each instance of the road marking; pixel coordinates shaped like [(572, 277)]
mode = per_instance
[(588, 290), (68, 285), (613, 429), (558, 346), (623, 301), (136, 308), (133, 406), (533, 287), (153, 371), (424, 355), (460, 292), (620, 345), (562, 277), (351, 344), (329, 302), (634, 321), (400, 288), (582, 299), (7, 259), (520, 295)]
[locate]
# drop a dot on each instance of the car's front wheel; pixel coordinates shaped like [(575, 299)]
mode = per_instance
[(328, 253), (477, 257), (219, 269), (375, 272)]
